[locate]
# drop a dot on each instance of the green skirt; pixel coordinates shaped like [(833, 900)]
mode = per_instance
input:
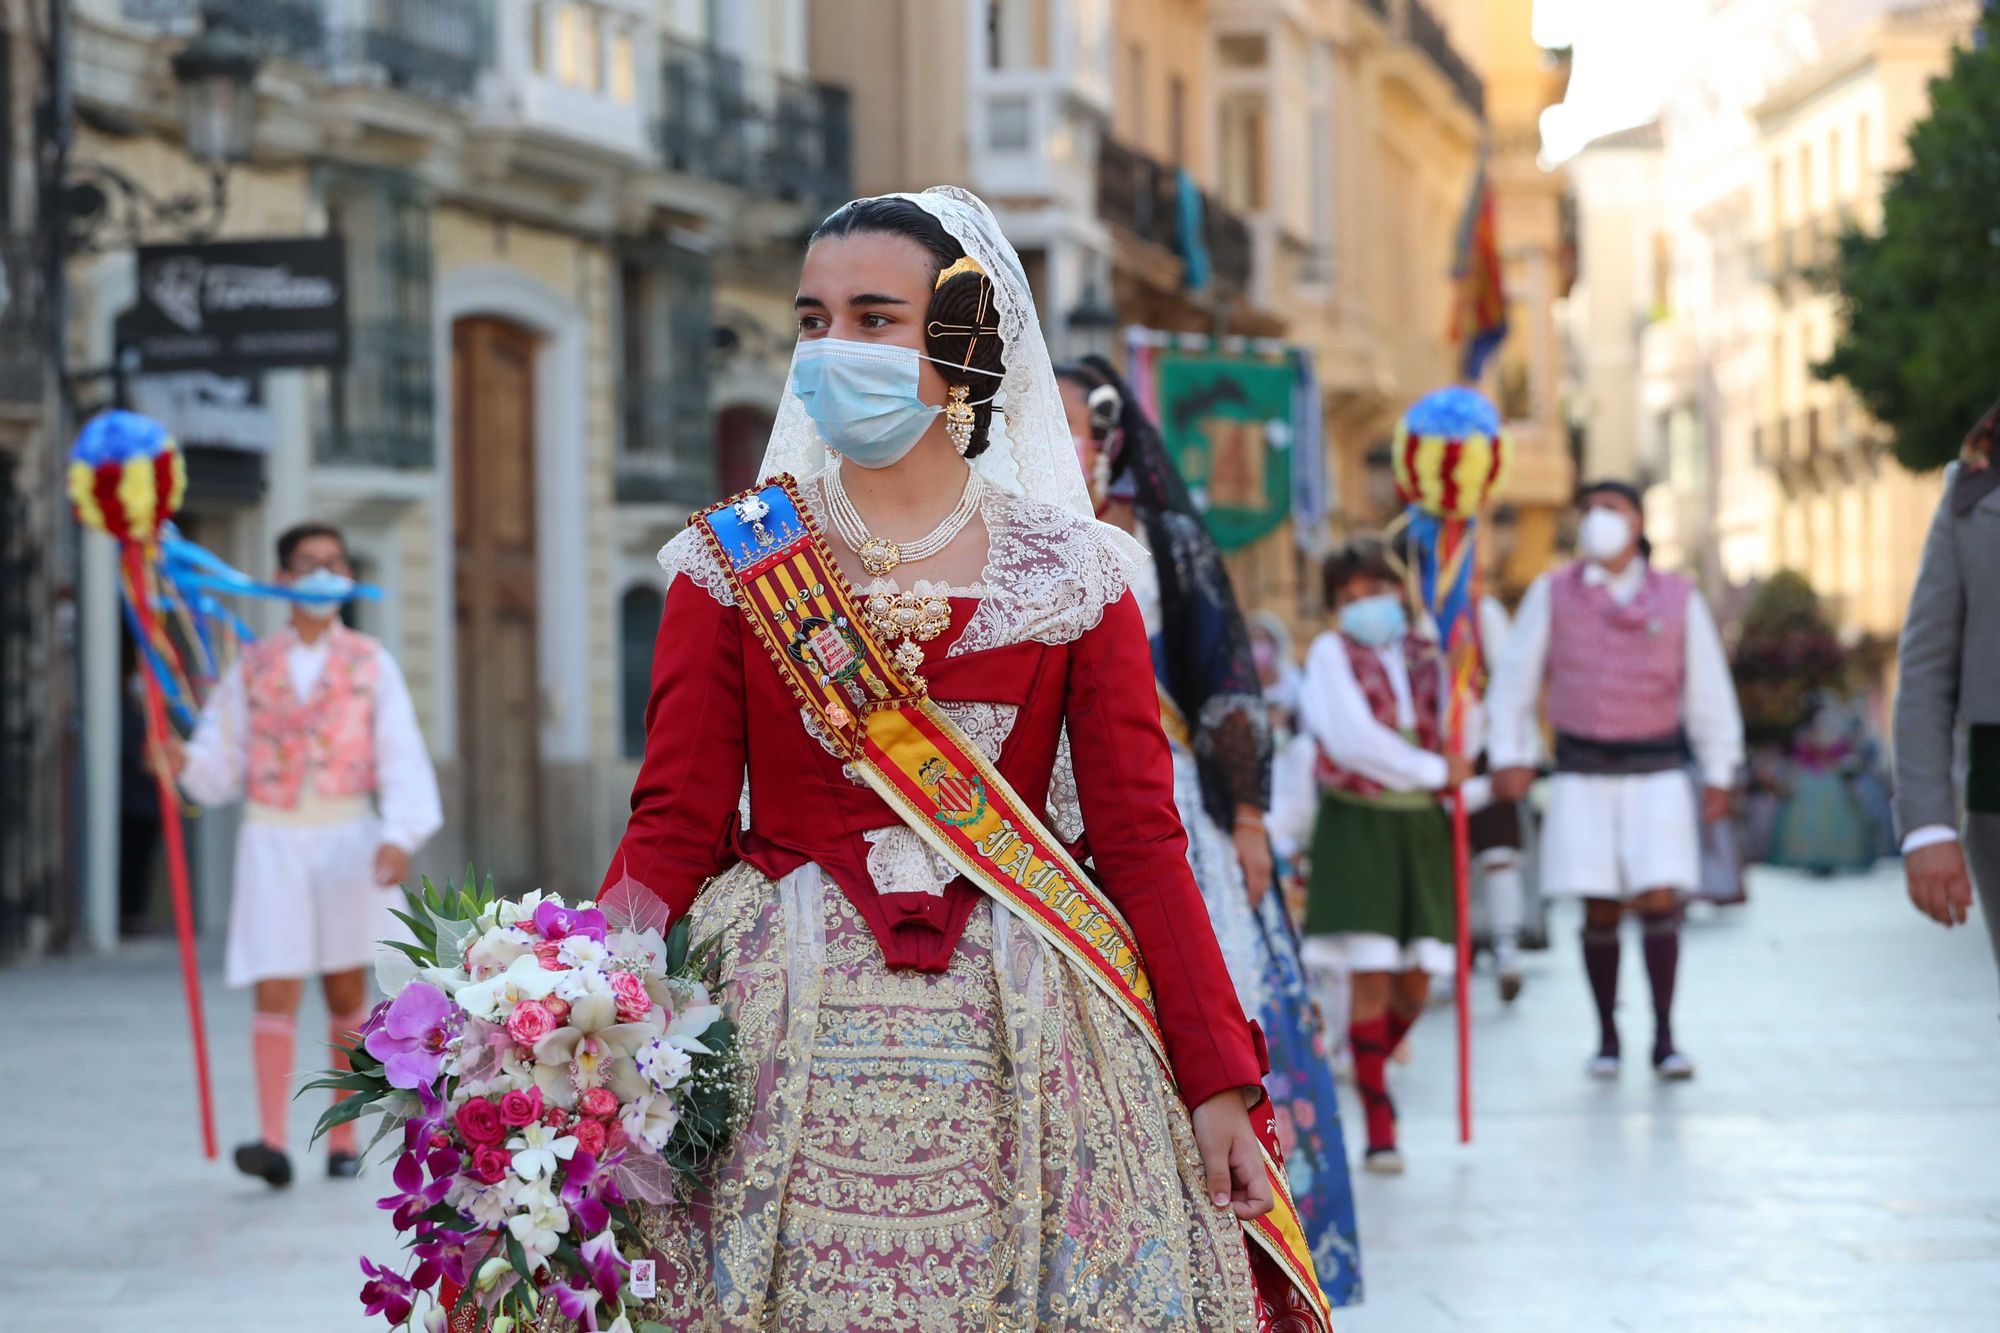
[(1381, 870)]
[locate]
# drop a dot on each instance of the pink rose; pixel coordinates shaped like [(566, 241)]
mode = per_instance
[(599, 1103), (556, 1118), (521, 1108), (557, 1006), (479, 1123), (545, 953), (489, 1164), (615, 1137), (530, 1022), (630, 992), (590, 1135)]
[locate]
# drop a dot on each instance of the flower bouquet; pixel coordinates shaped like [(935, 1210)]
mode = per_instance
[(552, 1070)]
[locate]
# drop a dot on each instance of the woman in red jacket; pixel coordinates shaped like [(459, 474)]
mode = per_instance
[(945, 1123)]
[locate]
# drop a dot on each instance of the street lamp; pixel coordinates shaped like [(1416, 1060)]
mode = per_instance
[(217, 74), (1093, 325)]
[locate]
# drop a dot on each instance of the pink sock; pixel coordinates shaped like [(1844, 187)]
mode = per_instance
[(341, 1032), (272, 1037)]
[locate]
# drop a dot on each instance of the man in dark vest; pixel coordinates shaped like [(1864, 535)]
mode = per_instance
[(1634, 675)]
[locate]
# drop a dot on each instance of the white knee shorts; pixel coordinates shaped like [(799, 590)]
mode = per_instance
[(1618, 837), (305, 901)]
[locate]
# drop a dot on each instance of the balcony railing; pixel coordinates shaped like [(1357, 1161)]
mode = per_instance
[(432, 48), (705, 113), (23, 337), (1230, 246), (1428, 36), (1142, 196), (293, 28), (812, 149), (1139, 194)]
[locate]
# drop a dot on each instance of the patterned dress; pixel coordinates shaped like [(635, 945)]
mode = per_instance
[(944, 1126)]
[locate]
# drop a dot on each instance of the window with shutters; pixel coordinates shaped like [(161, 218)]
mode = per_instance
[(380, 409)]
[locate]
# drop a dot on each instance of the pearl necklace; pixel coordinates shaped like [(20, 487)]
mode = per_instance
[(880, 555), (907, 619)]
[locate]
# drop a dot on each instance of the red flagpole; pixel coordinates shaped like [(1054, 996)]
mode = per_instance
[(177, 870), (1461, 845)]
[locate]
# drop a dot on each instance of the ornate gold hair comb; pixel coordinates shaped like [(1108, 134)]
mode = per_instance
[(966, 264)]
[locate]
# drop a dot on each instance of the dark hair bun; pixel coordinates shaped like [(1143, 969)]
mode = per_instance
[(964, 302)]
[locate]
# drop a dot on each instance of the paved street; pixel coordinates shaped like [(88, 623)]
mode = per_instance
[(1832, 1170)]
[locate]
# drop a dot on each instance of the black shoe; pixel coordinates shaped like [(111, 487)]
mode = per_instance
[(266, 1163), (342, 1166)]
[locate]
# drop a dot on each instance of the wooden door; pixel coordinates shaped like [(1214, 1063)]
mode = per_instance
[(499, 692)]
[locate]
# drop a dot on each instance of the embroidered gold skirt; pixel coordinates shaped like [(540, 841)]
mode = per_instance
[(992, 1147)]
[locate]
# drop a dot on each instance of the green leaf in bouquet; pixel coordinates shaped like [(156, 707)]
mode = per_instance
[(450, 934), (420, 928), (677, 946), (448, 1217), (341, 1081), (416, 953), (339, 1114)]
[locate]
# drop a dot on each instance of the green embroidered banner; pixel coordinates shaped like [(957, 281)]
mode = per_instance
[(1227, 423)]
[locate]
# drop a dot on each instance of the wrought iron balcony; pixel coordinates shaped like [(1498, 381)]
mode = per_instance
[(24, 336), (1137, 193), (1231, 248), (291, 28), (1428, 36), (432, 48), (705, 113), (811, 146)]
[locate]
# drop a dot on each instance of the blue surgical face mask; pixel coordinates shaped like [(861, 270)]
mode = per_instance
[(321, 593), (863, 397), (1375, 621)]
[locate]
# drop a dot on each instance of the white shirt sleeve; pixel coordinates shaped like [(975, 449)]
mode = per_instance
[(406, 784), (1513, 696), (1337, 715), (219, 751), (1930, 835), (1293, 795), (1708, 699)]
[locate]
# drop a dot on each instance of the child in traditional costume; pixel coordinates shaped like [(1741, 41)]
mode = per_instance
[(1635, 675), (313, 729), (1380, 906)]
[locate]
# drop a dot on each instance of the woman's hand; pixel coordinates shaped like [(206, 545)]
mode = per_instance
[(1230, 1156), (1253, 853)]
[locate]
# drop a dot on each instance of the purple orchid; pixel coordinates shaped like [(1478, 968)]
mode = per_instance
[(604, 1265), (387, 1293), (416, 1197), (557, 923), (577, 1300), (411, 1041), (589, 1191), (440, 1252)]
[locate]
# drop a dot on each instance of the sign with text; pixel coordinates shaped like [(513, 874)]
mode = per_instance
[(237, 306)]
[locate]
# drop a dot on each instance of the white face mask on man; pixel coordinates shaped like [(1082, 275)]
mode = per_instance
[(1604, 535)]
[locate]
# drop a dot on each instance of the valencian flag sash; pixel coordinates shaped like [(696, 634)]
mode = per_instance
[(807, 616)]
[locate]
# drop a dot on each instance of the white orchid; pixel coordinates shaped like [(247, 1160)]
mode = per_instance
[(493, 998), (511, 912), (644, 947), (582, 951), (537, 1149), (488, 1205), (693, 1014), (662, 1064), (651, 1119), (540, 1227), (497, 950)]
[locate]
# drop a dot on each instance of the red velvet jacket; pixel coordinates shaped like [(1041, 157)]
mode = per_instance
[(709, 718)]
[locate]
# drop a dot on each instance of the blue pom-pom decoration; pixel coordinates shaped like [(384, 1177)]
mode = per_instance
[(1454, 413), (119, 437)]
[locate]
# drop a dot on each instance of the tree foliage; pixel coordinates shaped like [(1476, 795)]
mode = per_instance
[(1921, 347), (1786, 653)]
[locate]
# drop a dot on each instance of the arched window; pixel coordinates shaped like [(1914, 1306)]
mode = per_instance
[(740, 436), (638, 622)]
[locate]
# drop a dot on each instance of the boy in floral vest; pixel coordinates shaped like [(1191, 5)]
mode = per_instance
[(313, 729), (1635, 677), (1379, 905)]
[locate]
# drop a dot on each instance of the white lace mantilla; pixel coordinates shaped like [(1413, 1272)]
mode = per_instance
[(1048, 574)]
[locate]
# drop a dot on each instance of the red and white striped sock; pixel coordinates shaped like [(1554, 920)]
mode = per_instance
[(272, 1039)]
